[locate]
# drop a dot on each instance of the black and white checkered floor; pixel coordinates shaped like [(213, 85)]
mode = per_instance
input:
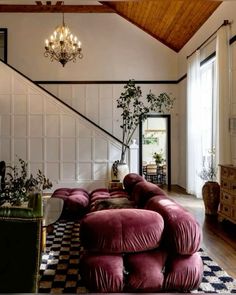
[(60, 273)]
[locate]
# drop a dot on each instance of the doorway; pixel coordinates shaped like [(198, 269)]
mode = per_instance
[(3, 45), (154, 151)]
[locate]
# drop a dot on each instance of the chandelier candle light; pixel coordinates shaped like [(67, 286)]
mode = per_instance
[(63, 46)]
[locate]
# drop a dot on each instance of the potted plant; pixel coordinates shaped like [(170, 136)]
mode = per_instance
[(211, 188), (135, 108), (158, 158), (18, 186)]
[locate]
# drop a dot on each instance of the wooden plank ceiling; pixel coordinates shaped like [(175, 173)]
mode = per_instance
[(172, 22)]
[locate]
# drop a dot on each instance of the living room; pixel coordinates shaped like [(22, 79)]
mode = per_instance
[(69, 149)]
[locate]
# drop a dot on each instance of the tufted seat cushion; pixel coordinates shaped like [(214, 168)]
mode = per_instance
[(105, 193), (182, 232), (102, 273), (183, 273), (76, 200), (101, 198), (121, 230), (145, 271)]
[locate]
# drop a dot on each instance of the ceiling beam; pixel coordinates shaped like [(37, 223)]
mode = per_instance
[(56, 8)]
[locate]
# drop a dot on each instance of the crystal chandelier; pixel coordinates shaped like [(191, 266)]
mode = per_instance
[(63, 46)]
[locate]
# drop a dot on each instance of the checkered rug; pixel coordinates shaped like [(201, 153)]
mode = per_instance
[(60, 273)]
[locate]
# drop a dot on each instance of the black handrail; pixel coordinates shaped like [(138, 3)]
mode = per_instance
[(61, 101)]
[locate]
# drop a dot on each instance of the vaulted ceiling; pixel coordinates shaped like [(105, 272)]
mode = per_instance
[(172, 22)]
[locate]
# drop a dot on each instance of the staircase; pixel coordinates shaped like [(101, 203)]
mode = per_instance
[(50, 135)]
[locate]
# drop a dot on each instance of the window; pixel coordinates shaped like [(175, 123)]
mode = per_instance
[(201, 114), (208, 108)]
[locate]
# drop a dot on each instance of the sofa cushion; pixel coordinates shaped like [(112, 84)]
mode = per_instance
[(145, 271), (99, 190), (111, 203), (102, 273), (121, 230), (183, 273), (182, 233), (76, 200), (102, 199), (131, 180), (145, 190), (106, 194)]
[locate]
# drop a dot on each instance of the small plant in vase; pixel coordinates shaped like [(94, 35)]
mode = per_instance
[(158, 158), (211, 188), (135, 109)]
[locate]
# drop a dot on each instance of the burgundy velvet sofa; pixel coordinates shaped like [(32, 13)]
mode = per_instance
[(149, 245), (76, 201)]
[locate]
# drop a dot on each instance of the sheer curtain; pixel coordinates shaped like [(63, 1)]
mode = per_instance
[(194, 126), (208, 111), (223, 95)]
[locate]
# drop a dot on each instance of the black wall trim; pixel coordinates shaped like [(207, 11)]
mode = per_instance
[(182, 78), (232, 40), (109, 82), (78, 113)]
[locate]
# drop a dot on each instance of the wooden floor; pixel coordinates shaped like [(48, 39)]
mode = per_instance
[(219, 239)]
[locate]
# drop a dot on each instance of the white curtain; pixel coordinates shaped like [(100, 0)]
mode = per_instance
[(223, 155), (194, 129)]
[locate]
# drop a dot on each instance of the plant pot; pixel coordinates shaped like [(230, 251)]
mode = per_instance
[(122, 171), (211, 197)]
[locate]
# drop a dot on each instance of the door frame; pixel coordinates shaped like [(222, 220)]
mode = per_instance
[(4, 31), (168, 118)]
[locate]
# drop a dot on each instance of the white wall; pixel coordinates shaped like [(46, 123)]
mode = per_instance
[(113, 49), (51, 137), (226, 11), (98, 103)]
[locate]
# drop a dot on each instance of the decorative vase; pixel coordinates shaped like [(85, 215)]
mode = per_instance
[(122, 169), (211, 197)]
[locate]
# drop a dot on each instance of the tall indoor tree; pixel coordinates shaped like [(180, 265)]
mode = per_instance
[(135, 108)]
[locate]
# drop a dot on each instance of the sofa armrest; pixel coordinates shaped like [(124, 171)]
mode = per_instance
[(182, 232)]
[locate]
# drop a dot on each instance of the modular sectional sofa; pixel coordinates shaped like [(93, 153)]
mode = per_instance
[(139, 240)]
